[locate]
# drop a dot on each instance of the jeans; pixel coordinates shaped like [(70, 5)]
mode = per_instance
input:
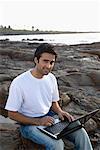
[(79, 138)]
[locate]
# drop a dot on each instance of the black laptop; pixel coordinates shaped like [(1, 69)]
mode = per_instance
[(61, 128)]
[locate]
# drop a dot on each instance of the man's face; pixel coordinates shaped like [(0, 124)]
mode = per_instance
[(45, 64)]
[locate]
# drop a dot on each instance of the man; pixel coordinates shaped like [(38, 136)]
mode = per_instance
[(31, 97)]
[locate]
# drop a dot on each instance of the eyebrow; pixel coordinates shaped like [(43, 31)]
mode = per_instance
[(50, 62)]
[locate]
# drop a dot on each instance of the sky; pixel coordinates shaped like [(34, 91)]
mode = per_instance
[(57, 15)]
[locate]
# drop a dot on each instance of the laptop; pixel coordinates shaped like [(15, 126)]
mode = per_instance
[(61, 128)]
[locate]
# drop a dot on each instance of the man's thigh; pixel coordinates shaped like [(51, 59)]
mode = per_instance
[(34, 134)]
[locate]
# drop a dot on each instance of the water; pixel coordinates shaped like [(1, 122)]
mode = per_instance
[(68, 39)]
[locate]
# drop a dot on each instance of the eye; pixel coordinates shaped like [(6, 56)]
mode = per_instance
[(52, 62)]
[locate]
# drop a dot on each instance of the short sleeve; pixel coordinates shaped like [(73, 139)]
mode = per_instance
[(15, 97), (55, 96)]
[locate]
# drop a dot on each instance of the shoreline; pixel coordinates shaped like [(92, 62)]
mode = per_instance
[(40, 41), (4, 32)]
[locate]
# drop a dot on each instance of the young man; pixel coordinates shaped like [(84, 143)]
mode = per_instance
[(31, 97)]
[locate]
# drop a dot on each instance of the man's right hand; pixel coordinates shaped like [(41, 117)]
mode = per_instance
[(46, 121)]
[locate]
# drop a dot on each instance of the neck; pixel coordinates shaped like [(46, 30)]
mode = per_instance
[(36, 74)]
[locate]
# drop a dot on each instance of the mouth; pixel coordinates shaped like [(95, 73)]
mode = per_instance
[(46, 71)]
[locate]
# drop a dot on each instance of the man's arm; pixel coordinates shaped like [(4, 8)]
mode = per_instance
[(57, 109), (44, 121)]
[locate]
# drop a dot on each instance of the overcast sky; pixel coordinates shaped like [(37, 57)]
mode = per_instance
[(65, 15)]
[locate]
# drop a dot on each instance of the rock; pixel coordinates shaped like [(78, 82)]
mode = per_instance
[(95, 76), (64, 98), (14, 141), (9, 132), (9, 137), (90, 125), (77, 70)]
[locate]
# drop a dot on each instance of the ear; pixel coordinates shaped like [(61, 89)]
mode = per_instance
[(35, 60)]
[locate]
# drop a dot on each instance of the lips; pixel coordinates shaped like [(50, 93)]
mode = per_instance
[(46, 71)]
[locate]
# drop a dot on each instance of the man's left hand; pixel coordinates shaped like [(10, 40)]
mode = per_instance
[(63, 114)]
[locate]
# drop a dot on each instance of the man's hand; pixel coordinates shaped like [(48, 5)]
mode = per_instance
[(46, 121), (63, 114)]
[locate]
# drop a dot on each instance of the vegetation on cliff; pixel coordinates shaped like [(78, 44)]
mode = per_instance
[(9, 31)]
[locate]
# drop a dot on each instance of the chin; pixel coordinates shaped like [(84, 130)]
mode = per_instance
[(46, 73)]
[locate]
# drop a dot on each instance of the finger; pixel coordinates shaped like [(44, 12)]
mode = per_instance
[(49, 124), (61, 117), (70, 118), (50, 120)]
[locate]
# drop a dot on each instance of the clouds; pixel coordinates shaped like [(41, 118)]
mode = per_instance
[(66, 15)]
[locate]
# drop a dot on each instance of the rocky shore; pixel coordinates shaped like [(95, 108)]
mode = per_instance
[(78, 72)]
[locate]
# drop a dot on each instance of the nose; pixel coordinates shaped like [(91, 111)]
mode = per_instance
[(48, 65)]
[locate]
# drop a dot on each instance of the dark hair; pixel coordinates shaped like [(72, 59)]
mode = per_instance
[(44, 48)]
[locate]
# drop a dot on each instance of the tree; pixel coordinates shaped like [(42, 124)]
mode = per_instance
[(37, 29), (32, 28), (9, 27), (1, 26)]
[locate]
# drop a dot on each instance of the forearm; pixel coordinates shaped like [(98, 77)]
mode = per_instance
[(23, 119), (62, 114), (56, 108)]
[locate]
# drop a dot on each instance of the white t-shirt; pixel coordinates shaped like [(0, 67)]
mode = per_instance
[(31, 96)]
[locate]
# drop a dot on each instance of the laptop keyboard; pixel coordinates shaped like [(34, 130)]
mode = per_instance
[(56, 128)]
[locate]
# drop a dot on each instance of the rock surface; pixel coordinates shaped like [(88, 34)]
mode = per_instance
[(78, 72)]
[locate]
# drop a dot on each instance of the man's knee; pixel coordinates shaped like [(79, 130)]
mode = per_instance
[(57, 145), (81, 133)]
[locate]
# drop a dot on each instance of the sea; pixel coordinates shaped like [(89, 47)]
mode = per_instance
[(69, 38)]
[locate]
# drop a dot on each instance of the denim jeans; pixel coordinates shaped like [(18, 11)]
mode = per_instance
[(79, 138)]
